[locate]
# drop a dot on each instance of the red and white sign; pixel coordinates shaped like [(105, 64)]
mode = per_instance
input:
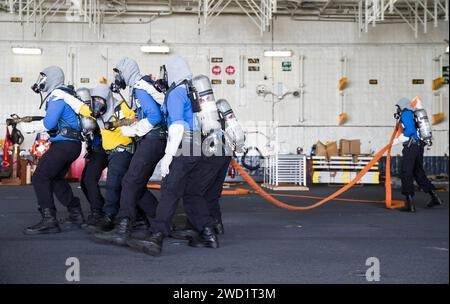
[(230, 70), (216, 70)]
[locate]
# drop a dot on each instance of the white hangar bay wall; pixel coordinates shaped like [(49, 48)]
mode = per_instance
[(388, 53)]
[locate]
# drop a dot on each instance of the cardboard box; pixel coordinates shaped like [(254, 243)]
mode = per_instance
[(332, 149), (327, 149), (350, 147), (344, 146), (321, 149), (355, 147)]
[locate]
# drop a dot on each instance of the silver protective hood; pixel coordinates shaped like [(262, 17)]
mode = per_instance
[(404, 103), (130, 71), (177, 70), (103, 91), (84, 94), (55, 78)]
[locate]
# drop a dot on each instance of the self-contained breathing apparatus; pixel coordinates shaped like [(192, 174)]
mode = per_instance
[(208, 114), (422, 123), (88, 125), (215, 119), (190, 139), (162, 85), (233, 132)]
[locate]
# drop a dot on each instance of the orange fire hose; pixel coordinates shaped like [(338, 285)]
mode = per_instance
[(389, 202), (271, 197), (237, 191), (154, 186), (243, 191)]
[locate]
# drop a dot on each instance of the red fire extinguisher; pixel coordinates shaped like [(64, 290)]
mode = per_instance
[(231, 172)]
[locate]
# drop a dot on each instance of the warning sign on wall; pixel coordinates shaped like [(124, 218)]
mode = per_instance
[(286, 66), (445, 73), (216, 70), (230, 70), (16, 79)]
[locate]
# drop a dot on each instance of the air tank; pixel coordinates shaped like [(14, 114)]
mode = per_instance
[(423, 125), (209, 117), (233, 129)]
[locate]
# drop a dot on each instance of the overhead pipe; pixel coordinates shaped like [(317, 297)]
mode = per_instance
[(141, 8)]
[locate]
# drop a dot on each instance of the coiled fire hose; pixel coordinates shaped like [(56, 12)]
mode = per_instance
[(388, 200)]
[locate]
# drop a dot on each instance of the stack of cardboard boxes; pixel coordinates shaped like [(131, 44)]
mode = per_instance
[(333, 165), (346, 148), (349, 147)]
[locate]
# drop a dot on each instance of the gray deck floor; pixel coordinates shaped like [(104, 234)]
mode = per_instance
[(262, 244)]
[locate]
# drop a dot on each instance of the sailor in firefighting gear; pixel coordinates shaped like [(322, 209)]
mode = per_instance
[(63, 125), (118, 147), (415, 135), (180, 167), (233, 141), (218, 166), (96, 161), (150, 133)]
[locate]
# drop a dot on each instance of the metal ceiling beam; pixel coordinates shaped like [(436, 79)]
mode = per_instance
[(260, 12), (324, 7), (414, 14)]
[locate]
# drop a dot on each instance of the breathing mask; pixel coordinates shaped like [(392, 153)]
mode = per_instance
[(98, 106), (39, 86), (162, 84), (119, 82)]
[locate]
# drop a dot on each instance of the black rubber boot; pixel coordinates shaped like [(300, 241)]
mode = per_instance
[(48, 224), (185, 233), (95, 217), (75, 219), (206, 239), (119, 235), (409, 205), (94, 220), (141, 221), (435, 200), (218, 227), (105, 224), (151, 244)]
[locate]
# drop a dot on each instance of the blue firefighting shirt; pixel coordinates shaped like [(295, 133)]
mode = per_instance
[(150, 109), (58, 111), (409, 124), (179, 108)]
